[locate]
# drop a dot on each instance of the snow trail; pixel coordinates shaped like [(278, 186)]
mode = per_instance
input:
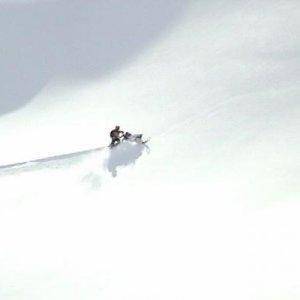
[(51, 158)]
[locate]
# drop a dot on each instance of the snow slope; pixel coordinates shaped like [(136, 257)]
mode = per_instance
[(207, 210)]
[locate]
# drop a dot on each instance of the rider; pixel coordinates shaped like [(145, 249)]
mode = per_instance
[(115, 135)]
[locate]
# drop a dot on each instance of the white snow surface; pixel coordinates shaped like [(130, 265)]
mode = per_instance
[(208, 209)]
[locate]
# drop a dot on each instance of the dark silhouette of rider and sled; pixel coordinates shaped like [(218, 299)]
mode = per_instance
[(117, 136)]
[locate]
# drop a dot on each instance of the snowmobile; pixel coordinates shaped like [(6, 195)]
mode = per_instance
[(137, 138)]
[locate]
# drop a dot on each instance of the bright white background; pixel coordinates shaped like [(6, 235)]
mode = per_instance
[(210, 210)]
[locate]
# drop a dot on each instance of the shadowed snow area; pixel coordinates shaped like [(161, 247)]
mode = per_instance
[(123, 155), (208, 208), (41, 40)]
